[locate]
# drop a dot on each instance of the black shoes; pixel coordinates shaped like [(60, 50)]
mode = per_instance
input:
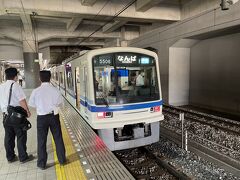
[(15, 158), (64, 162), (42, 168), (45, 167), (29, 158)]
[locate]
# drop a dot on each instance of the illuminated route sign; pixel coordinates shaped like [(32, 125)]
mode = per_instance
[(123, 59), (127, 59)]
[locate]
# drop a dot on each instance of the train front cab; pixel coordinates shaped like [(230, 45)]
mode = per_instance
[(126, 112)]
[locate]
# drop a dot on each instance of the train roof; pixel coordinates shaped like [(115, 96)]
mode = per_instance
[(110, 50)]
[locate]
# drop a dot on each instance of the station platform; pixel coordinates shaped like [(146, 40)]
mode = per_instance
[(88, 157)]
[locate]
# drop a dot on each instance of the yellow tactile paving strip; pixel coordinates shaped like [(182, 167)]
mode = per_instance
[(72, 170)]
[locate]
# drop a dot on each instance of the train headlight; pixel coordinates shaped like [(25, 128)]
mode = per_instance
[(155, 109), (102, 115)]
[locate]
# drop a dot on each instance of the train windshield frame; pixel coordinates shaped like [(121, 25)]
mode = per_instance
[(124, 78)]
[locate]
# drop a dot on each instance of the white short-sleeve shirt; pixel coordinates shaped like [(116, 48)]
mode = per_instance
[(45, 99), (17, 94), (139, 80)]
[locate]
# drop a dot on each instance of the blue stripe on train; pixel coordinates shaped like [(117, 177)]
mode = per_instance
[(117, 108), (120, 108)]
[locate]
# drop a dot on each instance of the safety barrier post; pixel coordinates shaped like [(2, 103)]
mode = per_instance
[(181, 117), (186, 140)]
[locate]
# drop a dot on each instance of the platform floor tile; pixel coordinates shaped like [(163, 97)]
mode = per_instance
[(98, 162), (29, 170)]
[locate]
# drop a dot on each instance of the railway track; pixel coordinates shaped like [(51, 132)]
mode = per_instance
[(144, 164), (167, 160), (224, 124), (208, 153), (209, 138)]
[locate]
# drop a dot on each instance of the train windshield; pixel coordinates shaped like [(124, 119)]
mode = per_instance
[(123, 78)]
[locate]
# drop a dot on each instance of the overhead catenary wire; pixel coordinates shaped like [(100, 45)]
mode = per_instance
[(32, 33), (22, 29), (25, 14), (109, 21), (101, 9), (95, 17), (35, 33)]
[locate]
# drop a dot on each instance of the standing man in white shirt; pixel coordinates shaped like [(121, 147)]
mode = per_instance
[(47, 100), (18, 98), (140, 79), (139, 83), (20, 80)]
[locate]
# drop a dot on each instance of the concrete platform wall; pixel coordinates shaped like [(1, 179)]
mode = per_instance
[(209, 22), (215, 73), (11, 52), (179, 67)]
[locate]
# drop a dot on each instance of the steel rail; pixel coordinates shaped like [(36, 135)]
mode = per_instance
[(205, 115), (226, 162), (226, 127), (165, 164)]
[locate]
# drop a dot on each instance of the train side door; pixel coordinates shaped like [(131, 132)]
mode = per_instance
[(64, 81), (77, 85), (85, 80), (59, 83)]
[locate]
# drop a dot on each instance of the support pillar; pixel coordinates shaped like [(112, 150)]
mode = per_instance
[(31, 64), (30, 53), (31, 70)]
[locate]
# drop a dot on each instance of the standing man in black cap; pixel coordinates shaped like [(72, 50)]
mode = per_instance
[(47, 99), (18, 98)]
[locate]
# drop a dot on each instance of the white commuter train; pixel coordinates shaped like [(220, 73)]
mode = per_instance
[(117, 91)]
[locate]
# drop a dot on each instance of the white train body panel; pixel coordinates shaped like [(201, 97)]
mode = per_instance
[(87, 84)]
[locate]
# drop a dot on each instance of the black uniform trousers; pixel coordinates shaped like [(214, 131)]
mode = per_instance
[(9, 142), (45, 122)]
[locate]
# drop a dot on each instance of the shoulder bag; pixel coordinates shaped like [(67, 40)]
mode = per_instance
[(16, 115)]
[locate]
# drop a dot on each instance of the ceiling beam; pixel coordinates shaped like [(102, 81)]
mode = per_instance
[(62, 19), (46, 34), (73, 8), (93, 22), (2, 10), (27, 22), (10, 37), (75, 36), (88, 2), (144, 5), (60, 43), (73, 24), (113, 26), (9, 42)]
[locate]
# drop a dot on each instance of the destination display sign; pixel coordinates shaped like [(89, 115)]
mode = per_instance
[(126, 59), (123, 59)]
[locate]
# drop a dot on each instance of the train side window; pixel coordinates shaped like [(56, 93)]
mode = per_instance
[(61, 77), (69, 76), (56, 76), (77, 85)]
